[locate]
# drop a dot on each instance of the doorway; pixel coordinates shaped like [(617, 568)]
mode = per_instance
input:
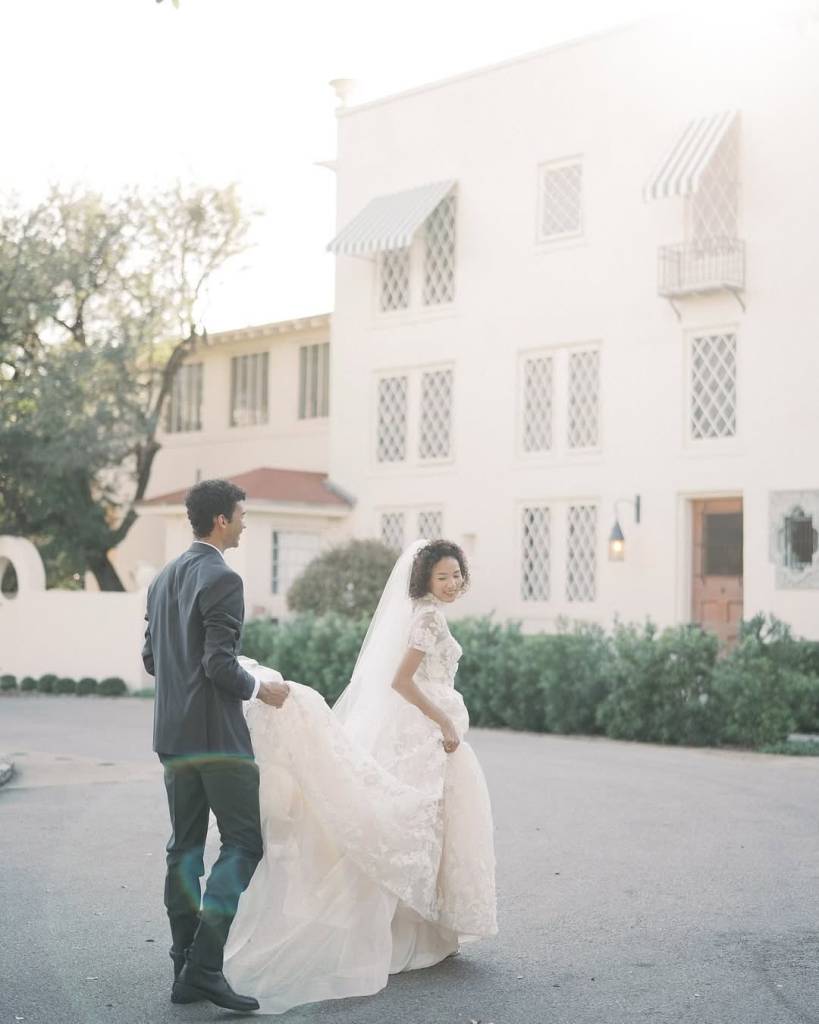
[(717, 566)]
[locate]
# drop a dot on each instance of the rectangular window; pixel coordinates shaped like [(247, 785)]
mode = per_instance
[(439, 254), (713, 382), (430, 524), (394, 280), (392, 530), (436, 414), (535, 570), (800, 540), (584, 399), (581, 553), (314, 381), (560, 200), (292, 552), (722, 544), (391, 430), (184, 407), (248, 390), (537, 404)]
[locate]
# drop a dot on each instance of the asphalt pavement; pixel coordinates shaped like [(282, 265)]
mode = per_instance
[(637, 883)]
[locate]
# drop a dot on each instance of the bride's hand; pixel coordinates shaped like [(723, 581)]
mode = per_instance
[(451, 739)]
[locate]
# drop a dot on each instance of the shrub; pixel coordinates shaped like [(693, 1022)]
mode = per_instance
[(761, 696), (65, 685), (8, 682), (487, 673), (347, 580), (111, 687), (768, 637), (576, 678), (45, 684), (86, 685), (661, 686), (28, 683)]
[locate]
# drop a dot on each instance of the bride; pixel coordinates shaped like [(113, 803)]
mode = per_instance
[(375, 815)]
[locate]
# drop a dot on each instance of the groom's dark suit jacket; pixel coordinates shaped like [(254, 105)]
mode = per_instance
[(195, 614)]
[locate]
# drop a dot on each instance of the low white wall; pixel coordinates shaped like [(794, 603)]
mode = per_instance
[(70, 633)]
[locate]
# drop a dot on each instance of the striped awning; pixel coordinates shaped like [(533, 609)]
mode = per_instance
[(681, 171), (389, 222)]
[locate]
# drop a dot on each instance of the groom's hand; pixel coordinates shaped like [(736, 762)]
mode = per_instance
[(274, 694)]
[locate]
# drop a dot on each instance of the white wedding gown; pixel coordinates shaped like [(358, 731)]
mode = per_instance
[(374, 863)]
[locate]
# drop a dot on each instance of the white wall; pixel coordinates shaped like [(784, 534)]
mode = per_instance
[(68, 633), (619, 101)]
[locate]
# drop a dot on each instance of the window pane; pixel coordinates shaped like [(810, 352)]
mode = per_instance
[(723, 544)]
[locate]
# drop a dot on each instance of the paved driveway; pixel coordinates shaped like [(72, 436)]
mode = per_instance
[(636, 883)]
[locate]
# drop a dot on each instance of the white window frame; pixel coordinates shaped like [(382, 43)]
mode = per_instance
[(181, 389), (276, 574), (316, 357), (558, 605), (413, 460), (711, 445), (416, 309), (560, 452), (551, 241), (239, 365)]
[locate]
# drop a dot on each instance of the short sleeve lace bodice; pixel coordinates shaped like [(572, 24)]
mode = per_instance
[(430, 633)]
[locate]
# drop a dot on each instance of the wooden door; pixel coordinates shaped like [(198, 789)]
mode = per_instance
[(717, 566)]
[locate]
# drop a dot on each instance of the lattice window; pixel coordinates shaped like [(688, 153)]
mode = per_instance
[(584, 399), (184, 408), (536, 554), (248, 389), (392, 530), (314, 381), (714, 207), (391, 438), (436, 414), (430, 524), (439, 254), (394, 280), (292, 552), (713, 386), (581, 553), (538, 376), (560, 212)]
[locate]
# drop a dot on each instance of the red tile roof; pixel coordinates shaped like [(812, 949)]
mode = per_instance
[(286, 485)]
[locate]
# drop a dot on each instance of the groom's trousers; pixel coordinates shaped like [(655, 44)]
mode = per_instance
[(229, 786)]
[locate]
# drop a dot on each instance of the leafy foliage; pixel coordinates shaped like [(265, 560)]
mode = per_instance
[(99, 305), (347, 580), (637, 683)]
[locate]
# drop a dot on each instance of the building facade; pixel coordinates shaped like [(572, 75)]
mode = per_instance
[(575, 301), (252, 405)]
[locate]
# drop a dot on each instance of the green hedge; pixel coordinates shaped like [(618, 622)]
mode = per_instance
[(635, 683), (8, 682), (27, 684), (85, 686), (111, 687)]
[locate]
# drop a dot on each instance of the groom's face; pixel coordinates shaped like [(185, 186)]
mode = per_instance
[(235, 526)]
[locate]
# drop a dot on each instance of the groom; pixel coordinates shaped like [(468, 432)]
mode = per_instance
[(195, 614)]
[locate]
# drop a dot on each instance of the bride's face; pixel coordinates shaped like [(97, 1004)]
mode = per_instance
[(445, 580)]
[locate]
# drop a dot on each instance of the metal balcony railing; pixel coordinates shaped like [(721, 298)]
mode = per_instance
[(709, 265)]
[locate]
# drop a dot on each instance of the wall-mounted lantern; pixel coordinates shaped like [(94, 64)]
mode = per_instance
[(617, 541)]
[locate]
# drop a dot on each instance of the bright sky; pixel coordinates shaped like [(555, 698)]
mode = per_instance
[(115, 92)]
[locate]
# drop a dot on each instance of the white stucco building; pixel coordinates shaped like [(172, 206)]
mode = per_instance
[(573, 290), (576, 279)]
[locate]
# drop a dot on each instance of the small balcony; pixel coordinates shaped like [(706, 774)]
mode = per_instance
[(697, 268)]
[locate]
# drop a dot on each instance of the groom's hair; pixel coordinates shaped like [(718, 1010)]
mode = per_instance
[(425, 561), (209, 499)]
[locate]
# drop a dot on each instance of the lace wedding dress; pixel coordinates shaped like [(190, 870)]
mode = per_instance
[(377, 859)]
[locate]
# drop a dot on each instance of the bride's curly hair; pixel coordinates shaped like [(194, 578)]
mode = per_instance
[(427, 558)]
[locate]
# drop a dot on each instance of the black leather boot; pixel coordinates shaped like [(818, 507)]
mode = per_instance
[(195, 983)]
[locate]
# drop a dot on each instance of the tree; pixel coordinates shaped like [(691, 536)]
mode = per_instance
[(99, 307), (347, 579)]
